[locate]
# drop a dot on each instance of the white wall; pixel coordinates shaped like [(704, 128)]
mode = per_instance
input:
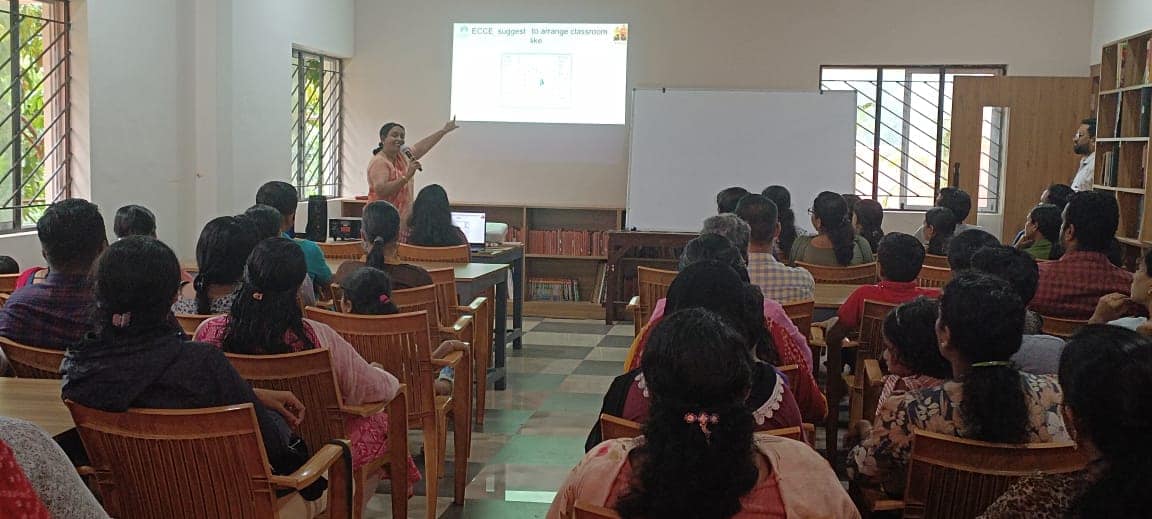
[(1115, 19), (401, 71)]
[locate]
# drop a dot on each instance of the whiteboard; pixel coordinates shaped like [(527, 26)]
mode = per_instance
[(687, 145)]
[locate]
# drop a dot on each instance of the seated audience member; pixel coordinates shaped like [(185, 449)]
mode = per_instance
[(265, 319), (836, 243), (1041, 235), (266, 220), (777, 281), (911, 351), (699, 435), (1112, 307), (8, 265), (851, 199), (1039, 354), (137, 356), (1071, 286), (987, 399), (900, 258), (960, 202), (430, 224), (939, 227), (717, 288), (284, 198), (868, 218), (368, 291), (780, 196), (54, 313), (727, 199), (221, 253), (39, 480), (1057, 195), (380, 233), (732, 227), (964, 245), (134, 220), (782, 345), (1104, 375)]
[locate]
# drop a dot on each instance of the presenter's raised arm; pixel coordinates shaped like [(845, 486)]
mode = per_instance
[(427, 143)]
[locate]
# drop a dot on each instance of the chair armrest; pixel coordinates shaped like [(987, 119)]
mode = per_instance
[(365, 410), (474, 306), (872, 373), (634, 304), (85, 471), (315, 467), (459, 326), (450, 360)]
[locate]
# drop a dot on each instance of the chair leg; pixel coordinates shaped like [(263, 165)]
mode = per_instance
[(462, 445), (358, 483), (483, 358), (433, 446), (398, 455)]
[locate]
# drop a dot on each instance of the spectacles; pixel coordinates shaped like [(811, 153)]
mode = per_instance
[(810, 211), (1080, 135)]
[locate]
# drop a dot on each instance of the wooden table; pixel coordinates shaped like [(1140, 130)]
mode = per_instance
[(513, 256), (472, 281), (832, 296), (37, 401), (626, 249)]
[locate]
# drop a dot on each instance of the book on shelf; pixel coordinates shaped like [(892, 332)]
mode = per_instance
[(1148, 61), (563, 242), (553, 289), (1123, 53), (1119, 115), (1145, 108), (1108, 172), (600, 293)]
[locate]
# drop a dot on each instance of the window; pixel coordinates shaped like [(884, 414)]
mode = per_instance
[(35, 151), (903, 130), (317, 124)]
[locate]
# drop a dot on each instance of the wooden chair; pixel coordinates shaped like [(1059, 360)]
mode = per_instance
[(651, 286), (934, 277), (190, 322), (587, 511), (32, 362), (342, 250), (4, 299), (612, 427), (800, 313), (1063, 328), (309, 376), (937, 261), (863, 274), (792, 433), (195, 464), (871, 382), (401, 344), (951, 477), (8, 283), (869, 345), (480, 309), (418, 254)]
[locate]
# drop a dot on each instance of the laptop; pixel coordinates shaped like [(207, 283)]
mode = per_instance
[(473, 226)]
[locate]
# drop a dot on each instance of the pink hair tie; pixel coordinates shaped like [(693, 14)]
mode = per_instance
[(384, 299), (121, 320), (703, 420), (259, 296)]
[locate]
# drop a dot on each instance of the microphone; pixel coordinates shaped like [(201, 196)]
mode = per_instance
[(407, 151)]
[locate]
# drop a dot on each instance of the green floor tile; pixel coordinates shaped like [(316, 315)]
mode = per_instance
[(541, 450), (574, 403), (534, 381), (503, 421), (491, 509)]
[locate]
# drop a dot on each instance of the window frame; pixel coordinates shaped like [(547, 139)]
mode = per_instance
[(325, 175)]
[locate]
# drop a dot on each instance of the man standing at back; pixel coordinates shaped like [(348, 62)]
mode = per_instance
[(284, 198), (1071, 286), (1084, 144), (776, 280)]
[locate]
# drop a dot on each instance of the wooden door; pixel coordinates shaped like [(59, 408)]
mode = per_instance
[(1043, 114)]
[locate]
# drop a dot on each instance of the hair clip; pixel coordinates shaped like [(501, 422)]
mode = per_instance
[(703, 420), (121, 320), (384, 299), (259, 296)]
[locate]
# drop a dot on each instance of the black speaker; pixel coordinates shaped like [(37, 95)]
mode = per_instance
[(317, 228)]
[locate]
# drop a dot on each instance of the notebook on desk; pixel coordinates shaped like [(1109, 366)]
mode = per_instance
[(473, 226)]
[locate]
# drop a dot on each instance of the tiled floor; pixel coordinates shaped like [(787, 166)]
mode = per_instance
[(534, 431)]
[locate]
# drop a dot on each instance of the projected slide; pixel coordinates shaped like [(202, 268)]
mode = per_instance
[(540, 72)]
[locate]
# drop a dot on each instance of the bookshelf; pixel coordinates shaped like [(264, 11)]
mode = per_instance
[(565, 258), (1123, 106)]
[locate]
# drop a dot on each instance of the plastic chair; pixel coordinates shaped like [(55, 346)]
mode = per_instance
[(32, 362), (195, 464), (309, 376), (401, 344), (418, 254), (863, 274), (450, 310)]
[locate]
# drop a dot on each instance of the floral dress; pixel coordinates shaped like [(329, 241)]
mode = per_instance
[(882, 458)]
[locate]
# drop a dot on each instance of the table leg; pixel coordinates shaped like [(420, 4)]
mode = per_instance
[(501, 348), (834, 384), (518, 302)]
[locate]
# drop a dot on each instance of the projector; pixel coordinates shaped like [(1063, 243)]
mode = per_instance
[(344, 228)]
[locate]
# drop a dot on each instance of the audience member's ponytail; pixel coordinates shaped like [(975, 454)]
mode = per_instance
[(369, 292), (266, 312), (832, 211), (985, 317), (696, 367), (783, 200), (134, 283), (1104, 373), (381, 226), (224, 246)]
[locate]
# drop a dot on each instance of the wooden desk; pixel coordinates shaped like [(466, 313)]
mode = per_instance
[(37, 401), (626, 249), (833, 296), (513, 256), (473, 280)]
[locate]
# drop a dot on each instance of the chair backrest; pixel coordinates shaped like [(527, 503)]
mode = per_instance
[(444, 279), (612, 427), (419, 299), (418, 254), (800, 313), (345, 250), (935, 260), (190, 322), (4, 299), (399, 342), (1063, 328), (951, 477), (873, 383), (790, 371), (652, 286), (871, 340), (32, 362), (934, 277), (178, 463), (863, 274), (309, 376), (792, 433), (8, 283), (587, 511)]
